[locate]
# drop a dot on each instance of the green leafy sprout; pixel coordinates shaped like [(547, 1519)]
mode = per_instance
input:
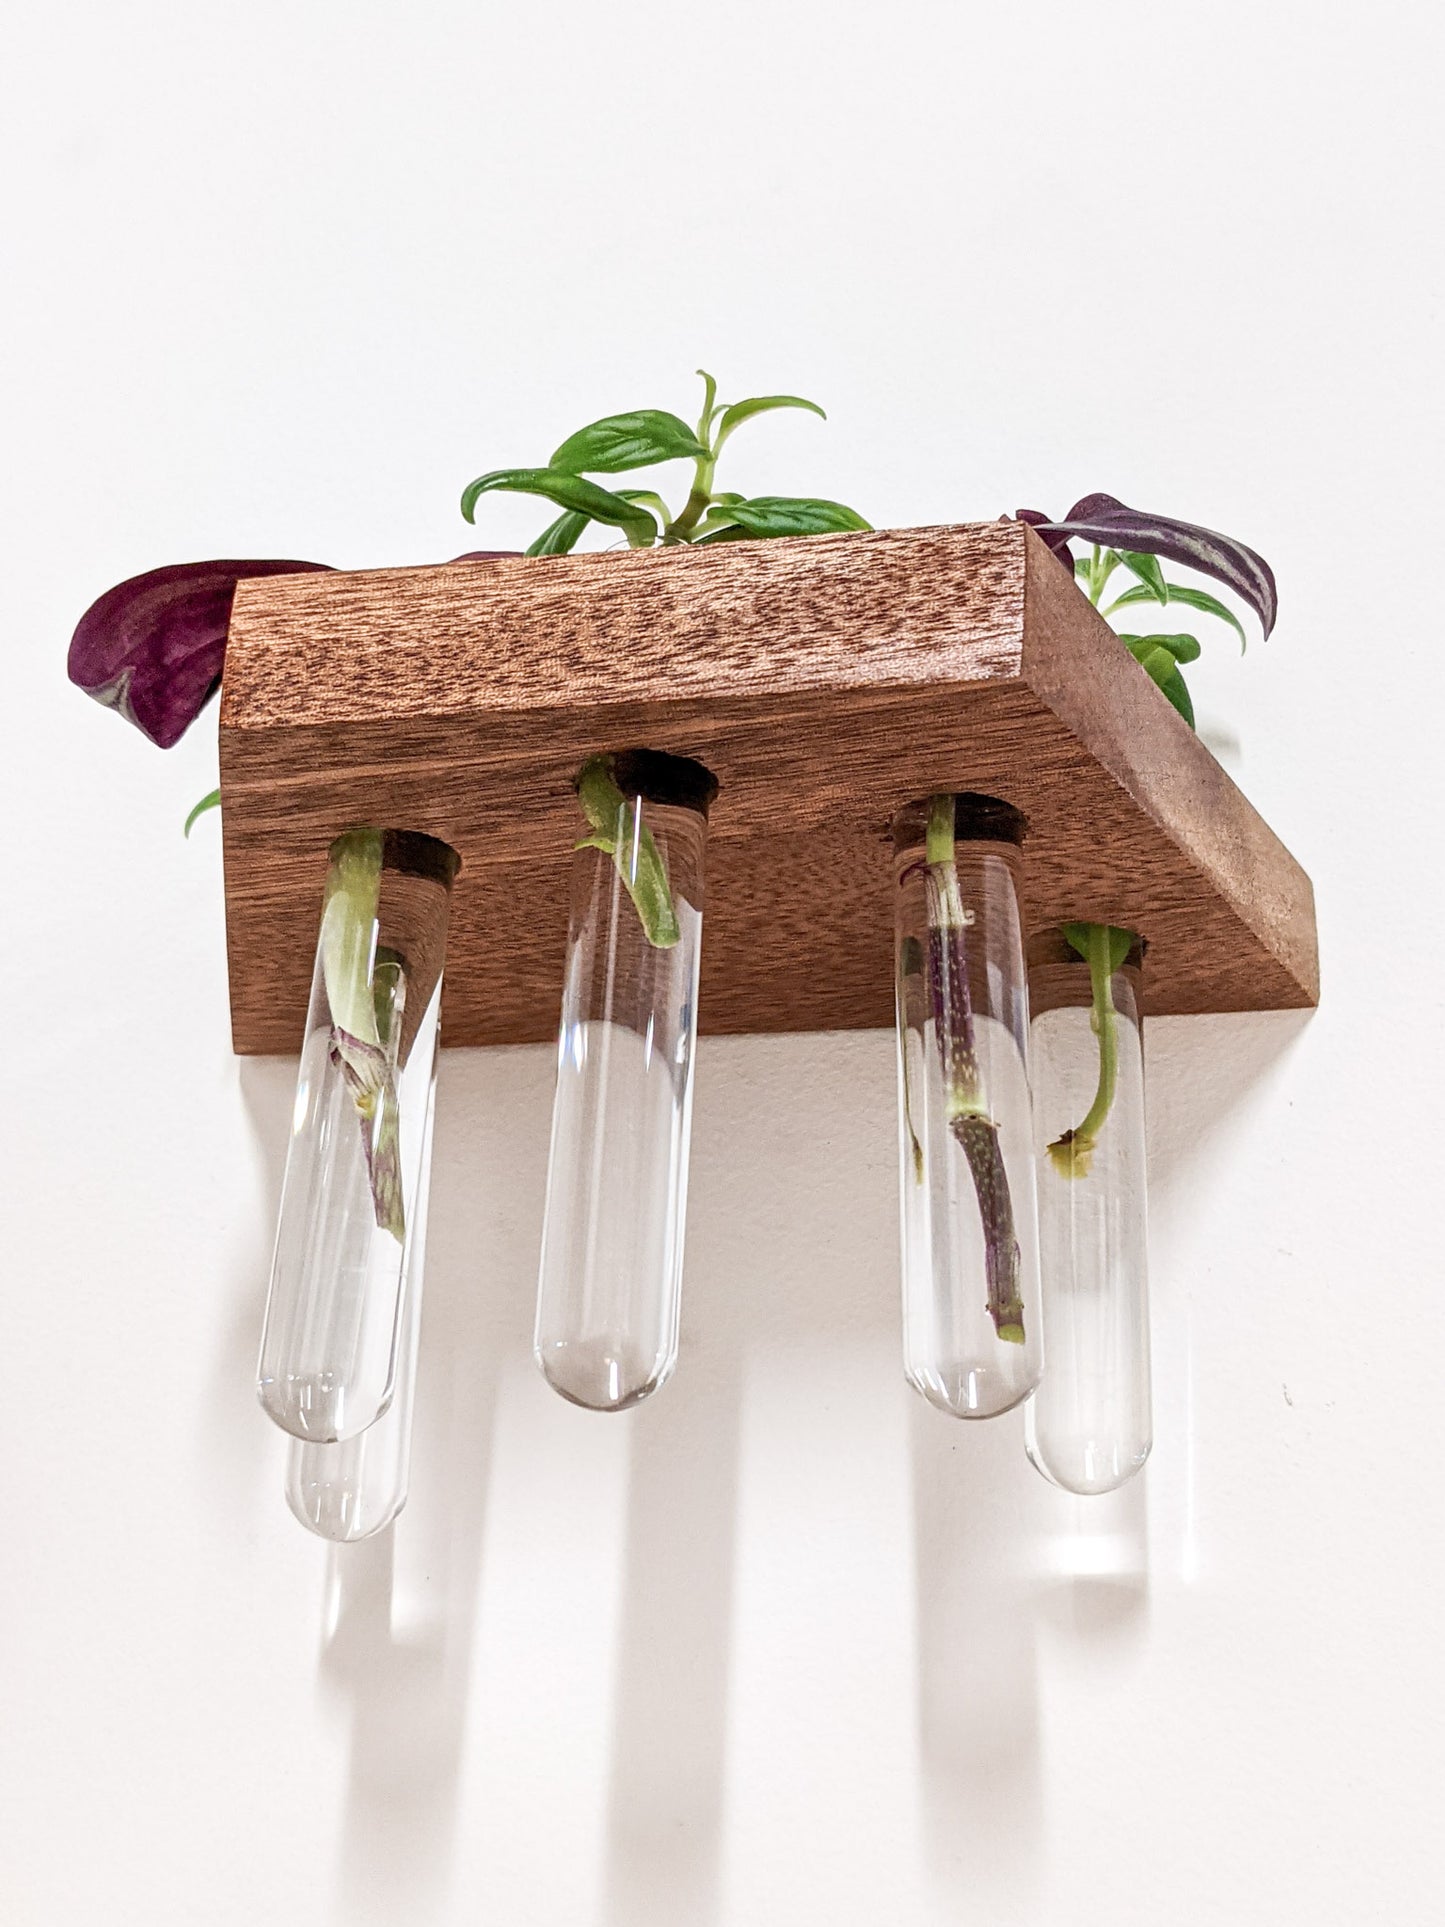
[(1102, 946), (1159, 655), (646, 438)]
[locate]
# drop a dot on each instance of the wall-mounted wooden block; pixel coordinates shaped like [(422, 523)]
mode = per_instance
[(825, 681)]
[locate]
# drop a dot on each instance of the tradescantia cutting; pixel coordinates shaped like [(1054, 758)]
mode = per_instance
[(1134, 540), (620, 444), (646, 438)]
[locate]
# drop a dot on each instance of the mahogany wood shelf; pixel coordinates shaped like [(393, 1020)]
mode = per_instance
[(825, 681)]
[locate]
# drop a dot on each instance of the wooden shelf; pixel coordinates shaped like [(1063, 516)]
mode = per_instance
[(825, 681)]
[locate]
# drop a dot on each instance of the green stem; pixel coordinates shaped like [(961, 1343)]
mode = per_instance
[(1072, 1154), (361, 997), (696, 505), (938, 837), (1102, 565), (700, 500)]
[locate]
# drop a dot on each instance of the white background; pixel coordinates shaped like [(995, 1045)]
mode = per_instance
[(783, 1647)]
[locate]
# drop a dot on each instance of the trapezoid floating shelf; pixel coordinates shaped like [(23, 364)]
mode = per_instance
[(825, 681)]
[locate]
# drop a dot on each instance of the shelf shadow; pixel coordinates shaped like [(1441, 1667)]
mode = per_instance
[(1198, 1072), (267, 1089)]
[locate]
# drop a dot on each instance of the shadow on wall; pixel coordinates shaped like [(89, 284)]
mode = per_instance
[(1001, 1558), (396, 1653), (1004, 1560), (401, 1618), (1199, 1072), (268, 1094)]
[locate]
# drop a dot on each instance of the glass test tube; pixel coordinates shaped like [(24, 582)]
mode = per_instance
[(971, 1339), (609, 1291), (356, 1167), (1089, 1426), (355, 1487)]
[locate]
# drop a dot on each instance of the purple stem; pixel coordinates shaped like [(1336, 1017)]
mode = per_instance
[(968, 1119)]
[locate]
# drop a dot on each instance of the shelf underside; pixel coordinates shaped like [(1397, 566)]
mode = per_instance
[(825, 681)]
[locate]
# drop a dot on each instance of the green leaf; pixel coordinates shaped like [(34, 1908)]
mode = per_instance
[(650, 499), (568, 492), (740, 411), (212, 801), (637, 859), (794, 515), (719, 516), (637, 440), (560, 537), (1121, 942), (1200, 599), (1147, 568), (1181, 648), (1162, 666), (348, 932), (724, 532), (709, 404)]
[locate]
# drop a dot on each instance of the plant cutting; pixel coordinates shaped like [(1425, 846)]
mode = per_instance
[(365, 994), (966, 1101), (623, 444), (647, 438), (1128, 539)]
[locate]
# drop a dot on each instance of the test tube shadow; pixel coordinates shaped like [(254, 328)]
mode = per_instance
[(401, 1616), (979, 1589), (665, 1798)]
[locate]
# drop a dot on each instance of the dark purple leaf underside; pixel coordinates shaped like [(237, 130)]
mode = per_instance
[(1104, 519), (1040, 522), (153, 646)]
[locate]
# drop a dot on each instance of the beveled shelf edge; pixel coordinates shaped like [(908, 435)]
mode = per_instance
[(825, 680)]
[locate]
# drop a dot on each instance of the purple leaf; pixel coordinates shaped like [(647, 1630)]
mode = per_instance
[(1102, 518), (486, 555), (153, 647), (1059, 544)]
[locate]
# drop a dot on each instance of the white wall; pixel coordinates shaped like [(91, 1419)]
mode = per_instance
[(783, 1647)]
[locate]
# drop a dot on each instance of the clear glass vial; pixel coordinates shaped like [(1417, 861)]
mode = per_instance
[(1089, 1426), (357, 1163), (971, 1339), (354, 1488), (609, 1290)]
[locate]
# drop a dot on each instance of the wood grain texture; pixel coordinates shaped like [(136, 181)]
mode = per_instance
[(825, 681)]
